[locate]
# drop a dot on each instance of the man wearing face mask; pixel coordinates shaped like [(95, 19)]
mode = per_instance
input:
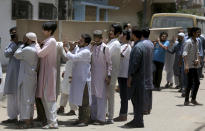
[(11, 82)]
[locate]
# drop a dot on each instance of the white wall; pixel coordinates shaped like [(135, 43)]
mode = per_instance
[(6, 22)]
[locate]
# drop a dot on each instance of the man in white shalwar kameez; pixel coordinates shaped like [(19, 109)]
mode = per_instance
[(101, 67), (65, 86), (115, 51), (61, 55), (80, 92), (27, 80)]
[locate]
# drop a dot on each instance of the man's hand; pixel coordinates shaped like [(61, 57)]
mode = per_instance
[(70, 79), (63, 74), (186, 69), (107, 80), (196, 62), (129, 82)]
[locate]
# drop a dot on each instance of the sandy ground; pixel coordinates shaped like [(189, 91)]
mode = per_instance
[(168, 114)]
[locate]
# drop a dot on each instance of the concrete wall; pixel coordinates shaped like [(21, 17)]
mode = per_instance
[(7, 22), (127, 12), (67, 30)]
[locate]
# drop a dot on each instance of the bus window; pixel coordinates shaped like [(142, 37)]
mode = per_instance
[(199, 24), (172, 21)]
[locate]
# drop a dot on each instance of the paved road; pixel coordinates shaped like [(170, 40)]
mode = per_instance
[(168, 114)]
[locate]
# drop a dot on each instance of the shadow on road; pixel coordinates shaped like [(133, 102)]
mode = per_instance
[(202, 127)]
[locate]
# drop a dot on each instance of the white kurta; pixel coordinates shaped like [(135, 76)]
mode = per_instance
[(27, 80), (115, 50), (169, 63), (61, 55), (65, 84), (80, 75)]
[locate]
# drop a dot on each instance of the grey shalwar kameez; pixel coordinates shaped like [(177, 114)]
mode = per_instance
[(148, 75), (136, 71), (11, 82)]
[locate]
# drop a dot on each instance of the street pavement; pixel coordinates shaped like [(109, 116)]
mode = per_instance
[(168, 114)]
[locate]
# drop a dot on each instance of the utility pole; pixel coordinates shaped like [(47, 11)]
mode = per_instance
[(70, 10), (145, 13)]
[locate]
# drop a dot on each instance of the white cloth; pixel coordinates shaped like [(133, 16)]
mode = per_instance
[(61, 55), (27, 80), (80, 75), (115, 50), (169, 63), (65, 84), (12, 106), (98, 108), (64, 101), (50, 108), (124, 61), (32, 36)]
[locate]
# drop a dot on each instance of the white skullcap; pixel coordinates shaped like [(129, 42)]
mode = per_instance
[(31, 36), (181, 34)]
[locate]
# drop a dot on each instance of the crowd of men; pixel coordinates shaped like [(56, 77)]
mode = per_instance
[(93, 68)]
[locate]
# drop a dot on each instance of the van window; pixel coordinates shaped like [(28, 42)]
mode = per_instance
[(172, 21)]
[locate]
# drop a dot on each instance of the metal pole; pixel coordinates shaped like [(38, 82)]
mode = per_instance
[(145, 13)]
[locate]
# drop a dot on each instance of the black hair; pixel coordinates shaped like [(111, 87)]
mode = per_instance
[(193, 30), (137, 32), (163, 33), (87, 38), (125, 25), (117, 28), (198, 29), (12, 29), (127, 33), (146, 33), (50, 26)]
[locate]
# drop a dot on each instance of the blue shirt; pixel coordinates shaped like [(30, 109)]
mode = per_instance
[(159, 52)]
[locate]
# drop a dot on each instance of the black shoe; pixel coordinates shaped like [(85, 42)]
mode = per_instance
[(99, 123), (177, 87), (132, 124), (109, 121), (60, 110), (194, 102), (183, 95), (71, 113), (81, 124), (10, 121), (157, 89), (186, 103), (180, 90)]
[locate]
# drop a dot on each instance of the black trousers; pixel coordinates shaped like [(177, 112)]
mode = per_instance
[(84, 110), (193, 83), (41, 115), (138, 104), (157, 74), (123, 95)]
